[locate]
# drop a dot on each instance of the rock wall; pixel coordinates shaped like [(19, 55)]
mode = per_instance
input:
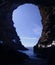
[(8, 34), (48, 22), (10, 41)]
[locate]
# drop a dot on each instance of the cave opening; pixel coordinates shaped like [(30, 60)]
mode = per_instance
[(27, 20)]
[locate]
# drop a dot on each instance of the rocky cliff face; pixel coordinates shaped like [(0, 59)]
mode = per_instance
[(46, 44), (48, 22), (10, 41), (8, 34)]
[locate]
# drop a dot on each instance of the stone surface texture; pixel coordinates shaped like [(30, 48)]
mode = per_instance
[(48, 23), (9, 39), (7, 30)]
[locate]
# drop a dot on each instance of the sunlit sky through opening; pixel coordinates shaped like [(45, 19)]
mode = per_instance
[(27, 20)]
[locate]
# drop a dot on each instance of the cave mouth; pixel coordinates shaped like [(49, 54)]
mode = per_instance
[(27, 20)]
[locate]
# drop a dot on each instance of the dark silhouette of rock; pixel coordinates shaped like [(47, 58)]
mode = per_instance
[(48, 22), (8, 32), (8, 36), (10, 56), (44, 45)]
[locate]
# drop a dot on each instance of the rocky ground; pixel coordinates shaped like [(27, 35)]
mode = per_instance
[(36, 62), (33, 62)]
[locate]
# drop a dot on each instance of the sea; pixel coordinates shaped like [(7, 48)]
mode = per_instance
[(32, 55), (29, 52)]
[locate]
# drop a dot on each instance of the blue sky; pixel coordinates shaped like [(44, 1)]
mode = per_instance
[(27, 21)]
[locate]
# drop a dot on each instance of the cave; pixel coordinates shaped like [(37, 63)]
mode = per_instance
[(6, 9), (8, 31), (9, 36)]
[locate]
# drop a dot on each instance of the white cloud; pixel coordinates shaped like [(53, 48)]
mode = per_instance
[(37, 30), (28, 38)]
